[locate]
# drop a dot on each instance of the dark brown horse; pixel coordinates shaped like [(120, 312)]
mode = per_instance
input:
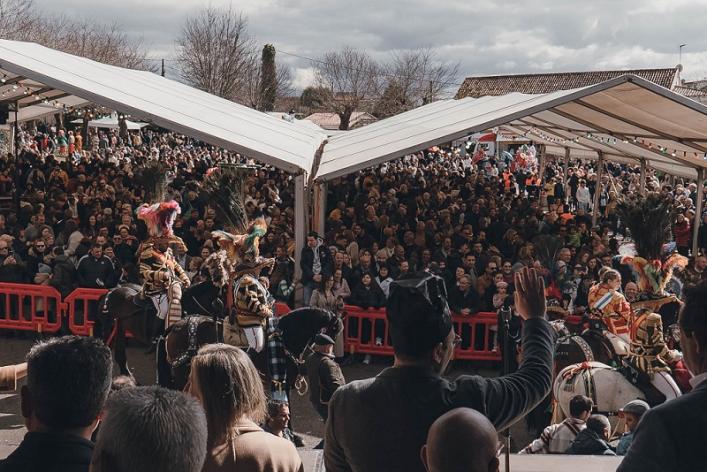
[(123, 309)]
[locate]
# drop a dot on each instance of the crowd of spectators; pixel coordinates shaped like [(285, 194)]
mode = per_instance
[(435, 211), (478, 230)]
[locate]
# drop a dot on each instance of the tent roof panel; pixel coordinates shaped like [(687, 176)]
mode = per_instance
[(166, 103), (621, 106)]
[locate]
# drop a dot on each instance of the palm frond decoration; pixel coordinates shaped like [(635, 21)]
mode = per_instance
[(547, 247), (226, 189), (648, 220), (154, 178)]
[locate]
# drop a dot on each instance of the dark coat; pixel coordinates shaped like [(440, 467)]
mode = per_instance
[(588, 443), (670, 437), (39, 452), (308, 259), (458, 300), (380, 424), (89, 269), (324, 376), (63, 275), (371, 297)]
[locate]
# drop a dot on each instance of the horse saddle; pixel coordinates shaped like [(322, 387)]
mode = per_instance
[(643, 382)]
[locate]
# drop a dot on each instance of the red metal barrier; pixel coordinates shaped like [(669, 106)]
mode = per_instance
[(479, 336), (366, 331), (30, 307), (77, 309)]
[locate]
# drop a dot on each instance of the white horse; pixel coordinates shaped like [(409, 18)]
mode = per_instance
[(606, 386)]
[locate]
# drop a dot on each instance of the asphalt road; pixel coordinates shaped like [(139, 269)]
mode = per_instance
[(305, 420)]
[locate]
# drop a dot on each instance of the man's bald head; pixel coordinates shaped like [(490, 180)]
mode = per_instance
[(461, 440)]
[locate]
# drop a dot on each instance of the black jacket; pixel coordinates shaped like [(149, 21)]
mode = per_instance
[(670, 437), (90, 269), (458, 300), (55, 452), (380, 424), (307, 261), (588, 443), (371, 297)]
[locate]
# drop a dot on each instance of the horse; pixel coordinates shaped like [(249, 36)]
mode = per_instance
[(181, 343), (589, 345), (290, 337), (124, 309), (606, 386)]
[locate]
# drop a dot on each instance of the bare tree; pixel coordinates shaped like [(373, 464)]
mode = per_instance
[(215, 51), (18, 19), (353, 78), (414, 78)]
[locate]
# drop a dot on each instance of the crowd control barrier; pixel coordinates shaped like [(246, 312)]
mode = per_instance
[(30, 308), (366, 332), (41, 308), (79, 304)]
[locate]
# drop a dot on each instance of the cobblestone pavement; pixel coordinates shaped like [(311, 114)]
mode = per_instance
[(304, 419)]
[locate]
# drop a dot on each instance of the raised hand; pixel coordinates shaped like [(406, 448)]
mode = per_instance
[(529, 294)]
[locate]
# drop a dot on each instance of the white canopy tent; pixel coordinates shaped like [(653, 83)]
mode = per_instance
[(627, 118)]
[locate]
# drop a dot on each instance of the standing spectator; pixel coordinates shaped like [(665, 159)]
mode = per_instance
[(341, 286), (632, 413), (463, 299), (380, 424), (583, 196), (682, 234), (557, 438), (316, 262), (461, 440), (367, 293), (323, 297), (95, 270), (324, 376), (150, 429), (68, 380), (383, 279), (670, 437), (63, 273), (228, 386)]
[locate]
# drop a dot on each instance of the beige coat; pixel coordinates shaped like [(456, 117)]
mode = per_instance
[(253, 450)]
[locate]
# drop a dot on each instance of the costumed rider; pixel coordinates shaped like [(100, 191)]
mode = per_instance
[(650, 356), (239, 261), (163, 278), (608, 302)]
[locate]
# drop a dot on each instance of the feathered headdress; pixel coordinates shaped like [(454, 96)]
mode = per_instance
[(160, 215), (648, 220)]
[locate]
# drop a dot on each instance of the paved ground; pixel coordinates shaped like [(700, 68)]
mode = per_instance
[(304, 419)]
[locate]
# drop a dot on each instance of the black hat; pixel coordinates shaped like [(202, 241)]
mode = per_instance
[(322, 340), (418, 313)]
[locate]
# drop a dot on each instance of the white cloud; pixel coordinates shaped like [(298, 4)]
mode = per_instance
[(485, 36)]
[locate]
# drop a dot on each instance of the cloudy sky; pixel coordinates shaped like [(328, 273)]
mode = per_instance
[(486, 37)]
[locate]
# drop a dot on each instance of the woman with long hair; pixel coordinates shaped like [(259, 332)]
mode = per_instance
[(225, 381)]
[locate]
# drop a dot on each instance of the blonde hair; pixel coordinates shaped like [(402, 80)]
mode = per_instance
[(229, 387)]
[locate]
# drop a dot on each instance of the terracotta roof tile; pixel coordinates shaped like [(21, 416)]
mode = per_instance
[(545, 83)]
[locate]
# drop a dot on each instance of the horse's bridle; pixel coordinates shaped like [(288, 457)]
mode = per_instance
[(193, 347)]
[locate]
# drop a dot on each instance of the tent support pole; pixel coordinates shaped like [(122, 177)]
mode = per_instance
[(642, 188), (698, 209), (320, 203), (565, 175), (541, 164), (300, 221), (597, 189)]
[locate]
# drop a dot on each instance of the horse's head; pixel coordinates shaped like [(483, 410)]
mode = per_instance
[(299, 326), (334, 327)]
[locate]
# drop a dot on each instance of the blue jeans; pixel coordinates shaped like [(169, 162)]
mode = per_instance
[(307, 291)]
